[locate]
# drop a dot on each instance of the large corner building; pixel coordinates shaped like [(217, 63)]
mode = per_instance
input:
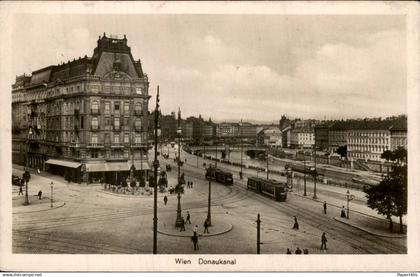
[(86, 119)]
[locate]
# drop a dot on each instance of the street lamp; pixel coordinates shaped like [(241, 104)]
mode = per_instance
[(179, 221), (304, 175), (26, 174), (155, 165), (52, 189), (209, 205), (315, 173), (350, 197), (241, 174)]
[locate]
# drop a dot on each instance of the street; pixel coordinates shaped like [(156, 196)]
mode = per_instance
[(93, 220)]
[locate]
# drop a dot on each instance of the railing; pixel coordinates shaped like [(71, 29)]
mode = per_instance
[(94, 111), (95, 145), (94, 128)]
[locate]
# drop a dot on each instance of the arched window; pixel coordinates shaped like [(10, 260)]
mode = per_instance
[(95, 123), (94, 138), (137, 108), (95, 107), (137, 124)]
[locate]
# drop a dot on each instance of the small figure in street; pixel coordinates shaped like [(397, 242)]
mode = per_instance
[(182, 225), (288, 251), (191, 185), (194, 239), (20, 190), (188, 218), (296, 225), (343, 212), (40, 194), (165, 200), (325, 207), (323, 241), (206, 226), (305, 251), (298, 251)]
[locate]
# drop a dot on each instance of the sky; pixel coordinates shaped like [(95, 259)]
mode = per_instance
[(233, 67)]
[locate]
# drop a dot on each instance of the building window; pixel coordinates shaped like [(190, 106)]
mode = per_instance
[(116, 139), (126, 138), (116, 106), (95, 107), (137, 124), (107, 121), (94, 123), (82, 126), (138, 139), (107, 138), (126, 107), (107, 108), (117, 123), (94, 138), (137, 108), (94, 153)]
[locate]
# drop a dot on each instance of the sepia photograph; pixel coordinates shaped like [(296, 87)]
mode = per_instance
[(209, 138)]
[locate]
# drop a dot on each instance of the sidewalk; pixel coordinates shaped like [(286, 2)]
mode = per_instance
[(35, 205)]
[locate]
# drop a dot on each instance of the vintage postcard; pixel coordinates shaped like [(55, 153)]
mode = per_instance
[(209, 136)]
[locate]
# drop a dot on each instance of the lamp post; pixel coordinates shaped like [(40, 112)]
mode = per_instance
[(216, 155), (304, 175), (155, 166), (26, 174), (315, 173), (52, 189), (267, 162), (349, 198), (179, 220), (209, 206), (241, 173)]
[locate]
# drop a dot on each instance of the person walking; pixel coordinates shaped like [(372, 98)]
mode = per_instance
[(191, 185), (194, 239), (20, 190), (298, 251), (296, 224), (288, 252), (325, 207), (165, 200), (323, 241), (188, 218), (40, 194), (195, 230), (206, 227), (182, 225), (343, 212)]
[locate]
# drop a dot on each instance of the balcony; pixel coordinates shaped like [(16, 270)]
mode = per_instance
[(95, 145), (94, 128), (138, 112), (76, 113), (94, 111), (117, 128), (117, 145), (75, 144)]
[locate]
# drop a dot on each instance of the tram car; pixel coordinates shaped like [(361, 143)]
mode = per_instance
[(219, 176), (271, 188)]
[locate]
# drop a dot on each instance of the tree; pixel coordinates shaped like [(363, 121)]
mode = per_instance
[(342, 151), (389, 198), (387, 155)]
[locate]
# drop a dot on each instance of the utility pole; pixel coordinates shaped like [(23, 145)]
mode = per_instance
[(52, 188), (179, 220), (155, 165), (304, 175), (315, 174), (241, 174), (209, 206), (258, 233), (216, 154), (267, 163)]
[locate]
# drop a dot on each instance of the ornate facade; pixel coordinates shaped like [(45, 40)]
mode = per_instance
[(86, 118)]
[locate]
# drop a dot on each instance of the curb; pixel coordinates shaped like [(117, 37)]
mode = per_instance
[(47, 209), (131, 195), (200, 235), (395, 236)]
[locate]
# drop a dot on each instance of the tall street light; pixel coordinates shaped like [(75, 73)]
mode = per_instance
[(315, 174), (179, 221), (241, 173), (350, 197), (26, 174), (209, 206), (267, 163), (155, 165), (52, 189), (304, 175)]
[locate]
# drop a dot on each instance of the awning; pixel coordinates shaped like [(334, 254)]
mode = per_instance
[(63, 163), (140, 165), (99, 167)]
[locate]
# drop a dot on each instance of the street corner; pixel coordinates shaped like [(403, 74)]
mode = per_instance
[(35, 204), (219, 226), (376, 229)]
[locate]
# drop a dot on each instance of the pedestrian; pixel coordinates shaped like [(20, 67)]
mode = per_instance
[(188, 218), (323, 241), (206, 226), (325, 207), (40, 194), (20, 190), (343, 212), (288, 251), (165, 199), (194, 239), (182, 226), (305, 251), (298, 251), (191, 184), (296, 225)]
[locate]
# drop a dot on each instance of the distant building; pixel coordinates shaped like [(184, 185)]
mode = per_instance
[(337, 135), (399, 134), (271, 137), (321, 132)]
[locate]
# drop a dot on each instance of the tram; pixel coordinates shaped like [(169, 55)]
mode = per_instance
[(271, 188), (219, 176)]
